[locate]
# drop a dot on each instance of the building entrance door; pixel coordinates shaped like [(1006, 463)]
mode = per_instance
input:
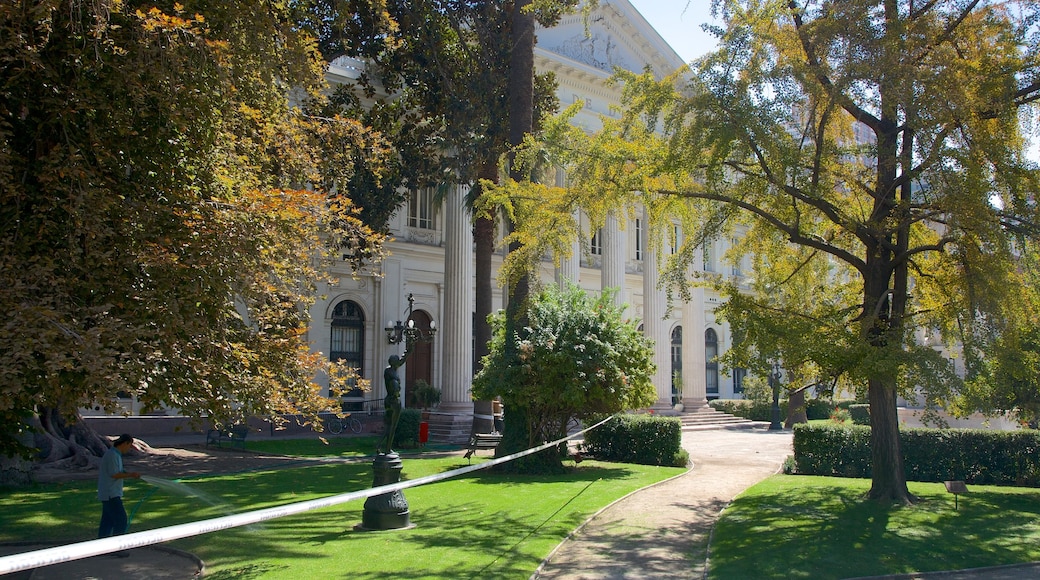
[(420, 362)]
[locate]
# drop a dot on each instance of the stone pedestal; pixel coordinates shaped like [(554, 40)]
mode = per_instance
[(388, 511)]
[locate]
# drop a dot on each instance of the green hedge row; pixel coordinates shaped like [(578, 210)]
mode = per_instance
[(407, 433), (763, 411), (860, 413), (974, 456), (642, 439)]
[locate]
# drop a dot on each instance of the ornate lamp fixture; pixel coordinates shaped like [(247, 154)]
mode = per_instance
[(406, 332)]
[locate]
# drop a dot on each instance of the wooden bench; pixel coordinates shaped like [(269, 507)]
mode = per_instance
[(236, 435), (483, 441)]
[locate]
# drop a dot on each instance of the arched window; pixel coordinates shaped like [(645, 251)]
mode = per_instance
[(348, 338), (676, 364), (711, 351), (739, 373)]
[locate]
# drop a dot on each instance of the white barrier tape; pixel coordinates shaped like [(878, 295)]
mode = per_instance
[(68, 553)]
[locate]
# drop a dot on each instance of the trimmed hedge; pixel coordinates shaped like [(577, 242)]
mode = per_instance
[(407, 433), (860, 414), (753, 410), (763, 411), (642, 439), (932, 455)]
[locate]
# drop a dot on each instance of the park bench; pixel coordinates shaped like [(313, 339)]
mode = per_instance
[(482, 441), (235, 435)]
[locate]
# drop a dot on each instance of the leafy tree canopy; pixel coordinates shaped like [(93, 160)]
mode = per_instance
[(157, 239), (435, 84)]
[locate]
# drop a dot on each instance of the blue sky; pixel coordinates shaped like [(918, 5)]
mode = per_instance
[(679, 23)]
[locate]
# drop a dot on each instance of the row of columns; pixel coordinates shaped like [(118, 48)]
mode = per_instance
[(455, 348)]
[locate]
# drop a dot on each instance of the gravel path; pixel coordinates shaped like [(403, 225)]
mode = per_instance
[(663, 531)]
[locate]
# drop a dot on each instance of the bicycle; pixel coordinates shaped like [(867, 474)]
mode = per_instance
[(336, 425)]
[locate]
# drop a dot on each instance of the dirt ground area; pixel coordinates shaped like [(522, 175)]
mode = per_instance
[(186, 460)]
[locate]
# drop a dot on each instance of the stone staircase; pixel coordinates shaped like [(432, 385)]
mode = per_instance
[(450, 428), (705, 417), (455, 429)]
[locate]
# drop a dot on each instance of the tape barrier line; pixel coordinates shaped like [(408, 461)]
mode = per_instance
[(78, 551)]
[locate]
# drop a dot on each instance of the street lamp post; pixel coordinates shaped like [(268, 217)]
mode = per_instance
[(774, 382), (406, 332), (390, 511)]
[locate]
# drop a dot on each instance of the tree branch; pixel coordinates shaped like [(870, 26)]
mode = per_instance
[(792, 232), (814, 62)]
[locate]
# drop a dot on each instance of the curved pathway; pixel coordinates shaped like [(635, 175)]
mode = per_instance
[(663, 531)]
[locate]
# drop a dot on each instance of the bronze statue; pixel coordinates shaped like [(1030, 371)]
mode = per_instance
[(392, 402)]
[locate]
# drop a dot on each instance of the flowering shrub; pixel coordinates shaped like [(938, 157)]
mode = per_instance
[(840, 415), (575, 357)]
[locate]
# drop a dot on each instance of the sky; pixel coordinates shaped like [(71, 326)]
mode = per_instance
[(679, 23)]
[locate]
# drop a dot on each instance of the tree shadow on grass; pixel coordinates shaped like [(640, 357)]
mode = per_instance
[(825, 532), (477, 525)]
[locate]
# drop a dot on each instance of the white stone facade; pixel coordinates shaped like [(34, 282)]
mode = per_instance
[(431, 255)]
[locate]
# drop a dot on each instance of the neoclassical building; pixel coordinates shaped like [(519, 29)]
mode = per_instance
[(429, 271)]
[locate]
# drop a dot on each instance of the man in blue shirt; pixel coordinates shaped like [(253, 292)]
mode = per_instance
[(110, 488)]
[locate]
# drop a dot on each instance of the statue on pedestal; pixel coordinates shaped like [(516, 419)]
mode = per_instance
[(392, 402), (388, 511)]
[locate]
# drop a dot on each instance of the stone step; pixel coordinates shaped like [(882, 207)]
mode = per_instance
[(706, 417)]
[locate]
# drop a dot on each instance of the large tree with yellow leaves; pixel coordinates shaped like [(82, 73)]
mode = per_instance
[(883, 136)]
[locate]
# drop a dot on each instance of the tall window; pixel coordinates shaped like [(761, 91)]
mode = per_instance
[(676, 240), (639, 239), (348, 338), (709, 257), (737, 259), (711, 351), (596, 245), (420, 209), (739, 374), (676, 364)]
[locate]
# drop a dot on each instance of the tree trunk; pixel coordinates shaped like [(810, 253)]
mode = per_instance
[(888, 476), (68, 445), (796, 408), (881, 329), (521, 119), (484, 248)]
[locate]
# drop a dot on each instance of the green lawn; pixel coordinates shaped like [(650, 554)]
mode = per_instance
[(821, 528), (479, 526), (495, 526), (314, 447)]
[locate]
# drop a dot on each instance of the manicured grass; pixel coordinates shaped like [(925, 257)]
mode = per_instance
[(821, 527), (336, 446), (314, 447), (480, 526)]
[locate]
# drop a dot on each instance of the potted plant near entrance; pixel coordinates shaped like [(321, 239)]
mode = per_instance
[(426, 396)]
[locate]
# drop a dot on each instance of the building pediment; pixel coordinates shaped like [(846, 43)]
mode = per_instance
[(613, 35)]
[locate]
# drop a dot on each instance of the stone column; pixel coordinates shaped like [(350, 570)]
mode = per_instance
[(694, 365), (456, 352), (613, 265), (656, 329), (569, 269), (391, 298)]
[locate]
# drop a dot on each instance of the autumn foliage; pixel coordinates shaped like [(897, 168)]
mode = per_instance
[(166, 214)]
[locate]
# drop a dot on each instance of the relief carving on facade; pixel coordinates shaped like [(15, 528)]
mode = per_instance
[(598, 51)]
